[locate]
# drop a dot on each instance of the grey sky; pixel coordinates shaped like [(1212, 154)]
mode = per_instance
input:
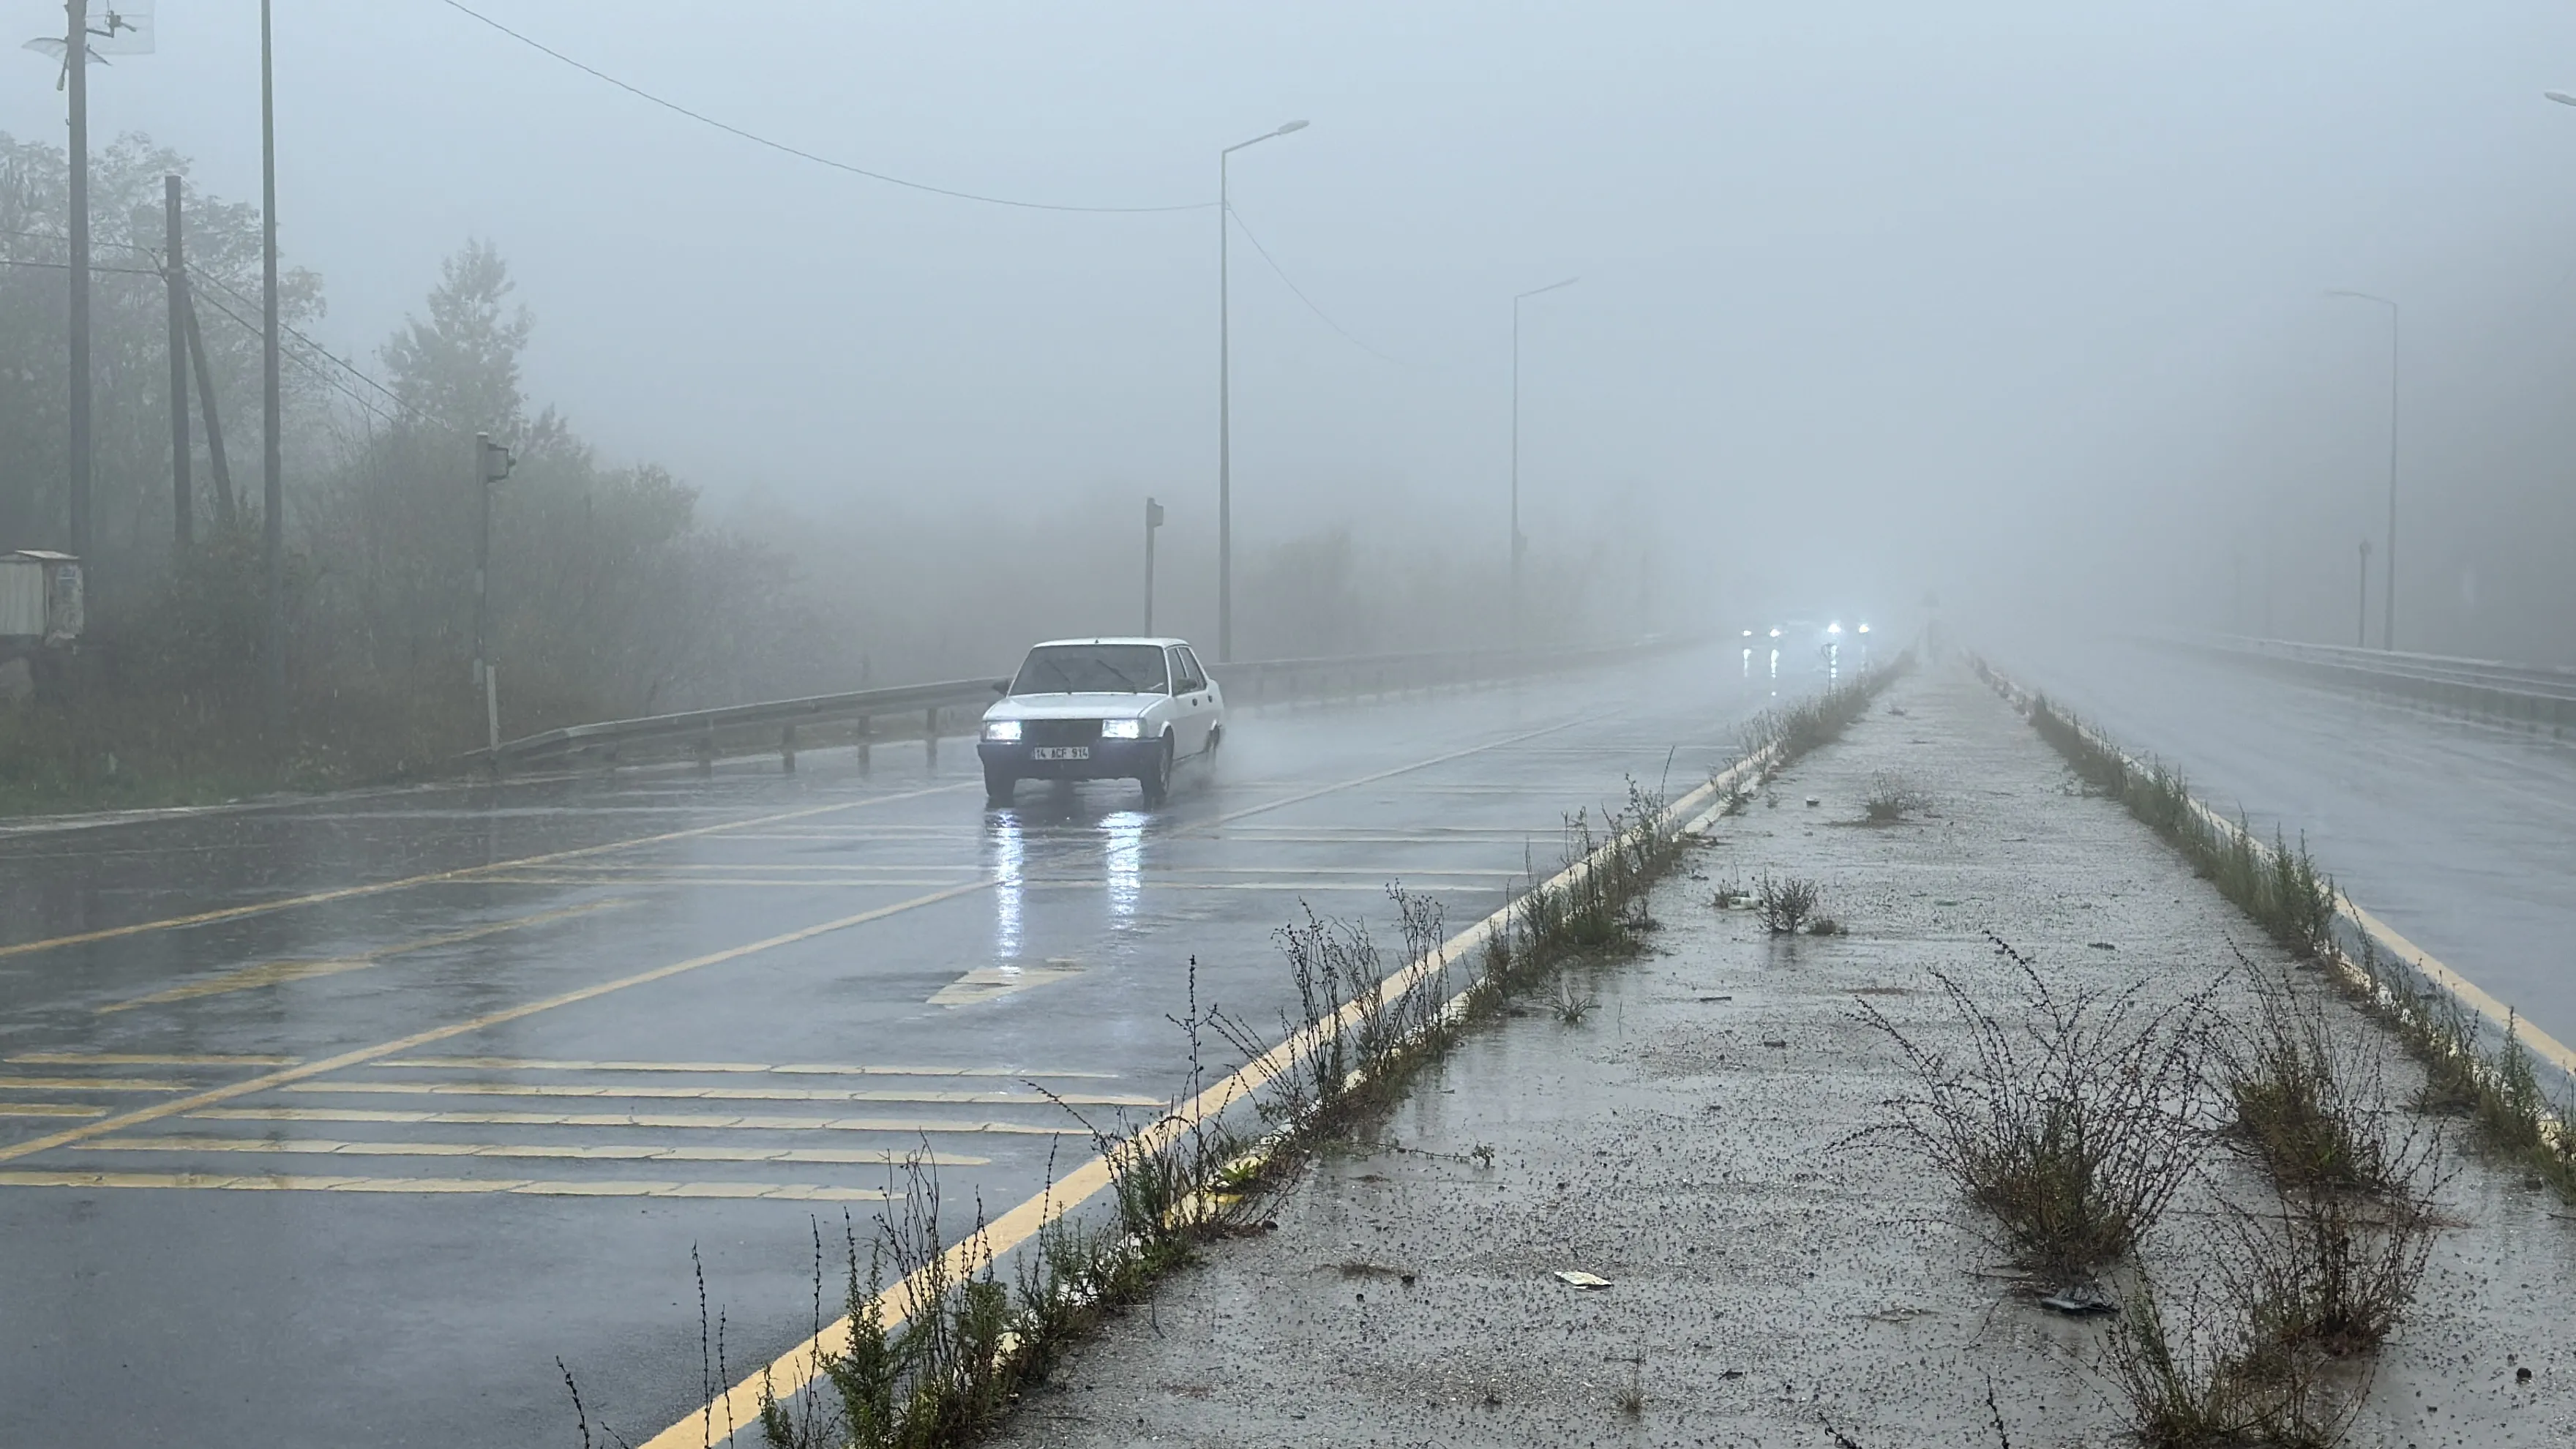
[(1876, 277)]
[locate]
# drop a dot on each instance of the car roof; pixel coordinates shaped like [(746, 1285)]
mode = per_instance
[(1110, 639)]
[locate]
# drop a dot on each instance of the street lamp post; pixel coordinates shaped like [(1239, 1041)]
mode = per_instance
[(2361, 602), (272, 523), (2388, 590), (1520, 544), (1225, 399)]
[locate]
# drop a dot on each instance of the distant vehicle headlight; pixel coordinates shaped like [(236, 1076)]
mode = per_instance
[(1002, 731), (1864, 628), (1121, 729), (1835, 628), (1775, 633)]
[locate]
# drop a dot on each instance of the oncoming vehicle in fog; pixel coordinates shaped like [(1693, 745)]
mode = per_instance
[(1101, 709)]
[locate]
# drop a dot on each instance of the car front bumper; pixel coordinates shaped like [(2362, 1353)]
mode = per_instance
[(1109, 760)]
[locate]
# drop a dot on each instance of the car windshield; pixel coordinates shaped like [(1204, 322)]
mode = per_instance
[(1092, 669)]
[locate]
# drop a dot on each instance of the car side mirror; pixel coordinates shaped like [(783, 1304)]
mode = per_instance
[(1002, 687)]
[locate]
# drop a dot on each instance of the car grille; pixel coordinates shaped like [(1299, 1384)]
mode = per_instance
[(1059, 731)]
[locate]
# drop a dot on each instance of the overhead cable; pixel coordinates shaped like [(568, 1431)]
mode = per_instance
[(1292, 286), (800, 153)]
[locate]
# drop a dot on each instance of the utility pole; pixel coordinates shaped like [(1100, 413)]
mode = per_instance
[(2361, 606), (216, 463), (492, 463), (76, 82), (183, 506), (1225, 400), (1153, 520), (272, 456)]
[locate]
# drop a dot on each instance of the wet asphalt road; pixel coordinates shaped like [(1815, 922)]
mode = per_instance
[(339, 1123), (2458, 833)]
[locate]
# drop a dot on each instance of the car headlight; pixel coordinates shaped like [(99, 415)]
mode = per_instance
[(1002, 731), (1122, 729)]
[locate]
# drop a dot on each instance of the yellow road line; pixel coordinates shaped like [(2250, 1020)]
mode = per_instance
[(433, 1035), (716, 1094), (788, 1374), (88, 1084), (2540, 1043), (372, 888), (532, 1064), (516, 1187), (717, 1121), (144, 1059), (592, 1152), (49, 1109), (275, 973)]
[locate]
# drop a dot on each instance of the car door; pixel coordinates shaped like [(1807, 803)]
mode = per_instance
[(1211, 699), (1189, 701)]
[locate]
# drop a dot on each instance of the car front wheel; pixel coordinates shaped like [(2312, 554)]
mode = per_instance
[(1158, 785), (997, 786)]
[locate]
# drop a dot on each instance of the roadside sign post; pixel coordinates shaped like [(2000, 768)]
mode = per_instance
[(1153, 520), (492, 464)]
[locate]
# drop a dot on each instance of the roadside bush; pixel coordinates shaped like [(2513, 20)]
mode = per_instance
[(2312, 1103), (1892, 797), (2070, 1122), (1785, 904)]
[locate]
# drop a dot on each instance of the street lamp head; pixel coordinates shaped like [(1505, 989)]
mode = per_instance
[(2351, 295), (1291, 126), (2561, 97)]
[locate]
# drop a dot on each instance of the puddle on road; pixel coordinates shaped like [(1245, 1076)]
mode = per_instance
[(985, 983)]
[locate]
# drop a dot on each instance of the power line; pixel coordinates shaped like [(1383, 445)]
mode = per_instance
[(1292, 286), (343, 364), (66, 266), (798, 152), (203, 276), (327, 380)]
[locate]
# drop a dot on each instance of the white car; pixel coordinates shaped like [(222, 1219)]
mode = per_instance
[(1101, 709)]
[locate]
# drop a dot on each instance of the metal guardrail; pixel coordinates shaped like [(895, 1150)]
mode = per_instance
[(2534, 696), (932, 711)]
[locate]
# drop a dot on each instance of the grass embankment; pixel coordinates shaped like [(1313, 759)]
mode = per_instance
[(1360, 1034)]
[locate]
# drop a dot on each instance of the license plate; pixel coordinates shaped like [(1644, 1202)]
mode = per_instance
[(1061, 752)]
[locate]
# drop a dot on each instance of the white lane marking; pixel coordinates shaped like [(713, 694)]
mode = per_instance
[(514, 1187), (659, 1092), (577, 1152), (712, 1121), (814, 1069)]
